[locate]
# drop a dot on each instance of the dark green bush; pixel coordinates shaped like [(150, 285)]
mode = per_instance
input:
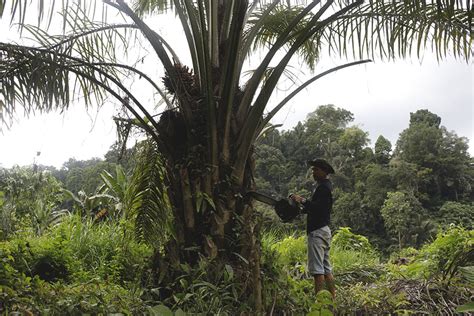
[(95, 297), (81, 266), (456, 213)]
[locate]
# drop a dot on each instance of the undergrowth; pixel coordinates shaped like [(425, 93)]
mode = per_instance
[(82, 267)]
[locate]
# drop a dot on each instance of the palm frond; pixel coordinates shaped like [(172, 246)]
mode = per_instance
[(22, 12), (267, 129), (281, 37), (254, 22), (45, 85), (32, 79), (156, 42), (250, 128), (254, 82), (38, 80), (151, 207), (291, 74), (274, 23), (149, 7), (391, 29)]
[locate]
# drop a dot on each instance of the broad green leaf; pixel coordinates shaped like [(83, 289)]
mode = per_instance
[(229, 271), (469, 307), (160, 310), (179, 312)]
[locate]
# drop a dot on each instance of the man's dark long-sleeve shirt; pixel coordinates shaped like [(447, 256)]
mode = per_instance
[(320, 206)]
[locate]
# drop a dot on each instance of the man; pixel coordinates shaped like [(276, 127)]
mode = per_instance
[(319, 235)]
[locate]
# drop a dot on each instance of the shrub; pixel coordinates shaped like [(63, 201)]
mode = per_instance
[(281, 292), (451, 249), (47, 258), (374, 299), (457, 213), (78, 267), (353, 258), (351, 266), (93, 297), (346, 240), (292, 252)]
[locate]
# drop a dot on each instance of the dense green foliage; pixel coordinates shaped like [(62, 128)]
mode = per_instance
[(367, 286), (82, 267), (75, 245)]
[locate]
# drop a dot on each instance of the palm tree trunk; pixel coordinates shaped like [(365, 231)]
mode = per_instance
[(212, 217), (251, 250)]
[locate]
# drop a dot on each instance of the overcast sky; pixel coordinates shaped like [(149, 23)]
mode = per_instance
[(381, 96)]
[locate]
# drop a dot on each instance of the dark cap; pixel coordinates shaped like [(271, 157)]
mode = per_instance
[(321, 163)]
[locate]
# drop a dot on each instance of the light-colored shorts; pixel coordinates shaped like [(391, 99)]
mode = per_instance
[(319, 243)]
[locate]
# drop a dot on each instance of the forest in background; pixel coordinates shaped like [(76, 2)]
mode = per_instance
[(402, 219), (397, 194)]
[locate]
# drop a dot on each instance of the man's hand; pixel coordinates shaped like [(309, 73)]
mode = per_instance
[(297, 198)]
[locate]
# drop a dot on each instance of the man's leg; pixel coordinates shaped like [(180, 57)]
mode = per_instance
[(330, 284), (317, 246), (318, 282)]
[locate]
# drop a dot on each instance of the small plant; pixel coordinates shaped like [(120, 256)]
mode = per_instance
[(323, 306), (198, 290)]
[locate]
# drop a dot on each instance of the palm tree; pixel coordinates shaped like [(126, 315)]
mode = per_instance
[(206, 135)]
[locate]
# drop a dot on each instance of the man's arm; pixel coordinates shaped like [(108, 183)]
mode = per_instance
[(321, 201)]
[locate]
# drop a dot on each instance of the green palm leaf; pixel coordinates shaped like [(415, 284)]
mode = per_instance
[(274, 23), (150, 206), (389, 29), (150, 7), (117, 184)]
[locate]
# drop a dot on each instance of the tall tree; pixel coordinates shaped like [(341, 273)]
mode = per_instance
[(207, 135), (403, 217), (438, 154), (456, 170), (372, 183), (382, 149), (420, 143), (324, 127)]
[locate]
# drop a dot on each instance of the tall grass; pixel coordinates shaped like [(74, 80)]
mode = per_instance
[(105, 249)]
